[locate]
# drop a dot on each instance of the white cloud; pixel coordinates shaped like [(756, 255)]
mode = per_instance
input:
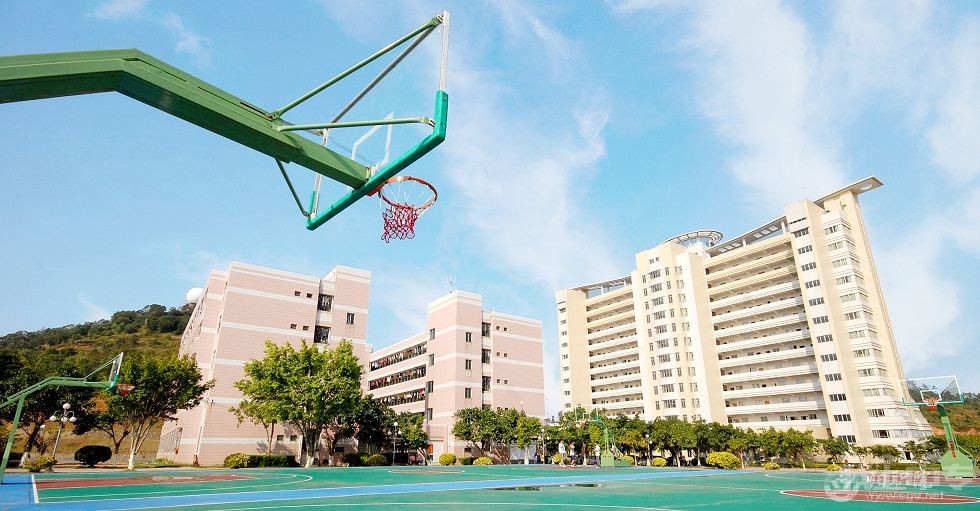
[(955, 134), (92, 312), (120, 9), (521, 20), (195, 267), (188, 41)]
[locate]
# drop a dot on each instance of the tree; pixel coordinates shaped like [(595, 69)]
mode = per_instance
[(371, 421), (885, 453), (798, 444), (741, 441), (261, 405), (679, 436), (161, 389), (835, 448), (313, 388), (861, 452), (917, 450), (771, 443), (108, 421), (264, 413), (413, 433), (527, 430)]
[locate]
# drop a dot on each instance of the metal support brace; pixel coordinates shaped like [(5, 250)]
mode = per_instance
[(292, 190)]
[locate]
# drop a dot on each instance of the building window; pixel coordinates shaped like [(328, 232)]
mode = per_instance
[(876, 412), (468, 393), (325, 303), (485, 357), (832, 229), (852, 315), (844, 417), (856, 334), (808, 266), (866, 372), (846, 279), (820, 319), (350, 318), (838, 397), (309, 295), (832, 377), (429, 386), (306, 327), (828, 358), (486, 330), (825, 338), (292, 326), (835, 246), (802, 232), (432, 359), (816, 301), (428, 413), (812, 284), (469, 336), (432, 334), (848, 438), (805, 249), (321, 334), (296, 293), (468, 364)]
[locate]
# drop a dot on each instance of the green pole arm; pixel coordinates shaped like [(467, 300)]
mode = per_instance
[(948, 430), (378, 54), (10, 438), (435, 138), (162, 86), (355, 124)]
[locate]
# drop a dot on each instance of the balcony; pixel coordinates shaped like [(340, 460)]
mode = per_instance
[(783, 354), (793, 301), (620, 406), (612, 341), (780, 321), (626, 315), (754, 280), (625, 301), (614, 355), (619, 392), (770, 373), (633, 377), (795, 406), (773, 390), (617, 366), (753, 264), (774, 289), (798, 424), (763, 341), (612, 331)]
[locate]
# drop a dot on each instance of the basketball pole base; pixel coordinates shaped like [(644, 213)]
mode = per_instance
[(957, 464)]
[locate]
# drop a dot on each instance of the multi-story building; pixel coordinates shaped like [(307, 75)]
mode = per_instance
[(237, 311), (467, 357), (782, 326)]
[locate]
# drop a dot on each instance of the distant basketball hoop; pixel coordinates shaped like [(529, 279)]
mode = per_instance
[(932, 402), (123, 388)]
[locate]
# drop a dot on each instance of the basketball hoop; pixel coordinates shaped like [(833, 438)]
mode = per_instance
[(404, 199), (932, 402), (123, 388)]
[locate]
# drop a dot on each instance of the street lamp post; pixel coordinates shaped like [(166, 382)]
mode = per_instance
[(649, 449), (66, 416), (393, 440)]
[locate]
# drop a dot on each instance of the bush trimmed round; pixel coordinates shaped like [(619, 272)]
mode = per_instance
[(658, 462), (483, 460), (447, 458), (352, 459), (771, 466), (376, 460), (629, 459), (556, 458), (236, 460), (725, 460), (90, 455), (466, 460), (833, 467)]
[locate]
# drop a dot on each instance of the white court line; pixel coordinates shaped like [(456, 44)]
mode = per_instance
[(118, 496), (510, 504), (34, 489)]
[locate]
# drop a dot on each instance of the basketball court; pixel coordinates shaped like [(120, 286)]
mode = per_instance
[(516, 487)]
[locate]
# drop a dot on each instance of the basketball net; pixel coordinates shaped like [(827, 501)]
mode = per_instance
[(124, 388), (404, 199), (932, 402)]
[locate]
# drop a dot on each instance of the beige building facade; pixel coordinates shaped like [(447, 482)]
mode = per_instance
[(783, 326)]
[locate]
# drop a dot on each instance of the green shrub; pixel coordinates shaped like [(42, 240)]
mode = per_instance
[(40, 463), (629, 459), (833, 467), (239, 460), (483, 460), (236, 460), (89, 455), (725, 460), (376, 460), (771, 466), (447, 458), (902, 466), (466, 460), (162, 463), (352, 459), (658, 462), (556, 458)]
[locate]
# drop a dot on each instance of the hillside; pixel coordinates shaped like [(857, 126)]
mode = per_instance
[(152, 331), (965, 418)]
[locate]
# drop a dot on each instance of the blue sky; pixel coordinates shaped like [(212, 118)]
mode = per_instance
[(580, 133)]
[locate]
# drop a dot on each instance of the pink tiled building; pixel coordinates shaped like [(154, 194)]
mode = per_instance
[(467, 357), (239, 310)]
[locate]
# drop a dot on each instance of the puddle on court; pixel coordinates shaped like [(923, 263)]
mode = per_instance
[(538, 488)]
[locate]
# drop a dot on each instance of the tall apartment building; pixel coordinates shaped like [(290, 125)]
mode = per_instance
[(467, 357), (239, 309), (782, 326)]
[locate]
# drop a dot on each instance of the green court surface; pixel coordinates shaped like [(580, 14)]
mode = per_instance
[(519, 488)]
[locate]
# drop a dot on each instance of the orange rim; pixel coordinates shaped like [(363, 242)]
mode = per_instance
[(399, 179)]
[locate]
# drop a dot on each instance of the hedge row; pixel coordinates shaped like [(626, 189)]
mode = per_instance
[(240, 460)]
